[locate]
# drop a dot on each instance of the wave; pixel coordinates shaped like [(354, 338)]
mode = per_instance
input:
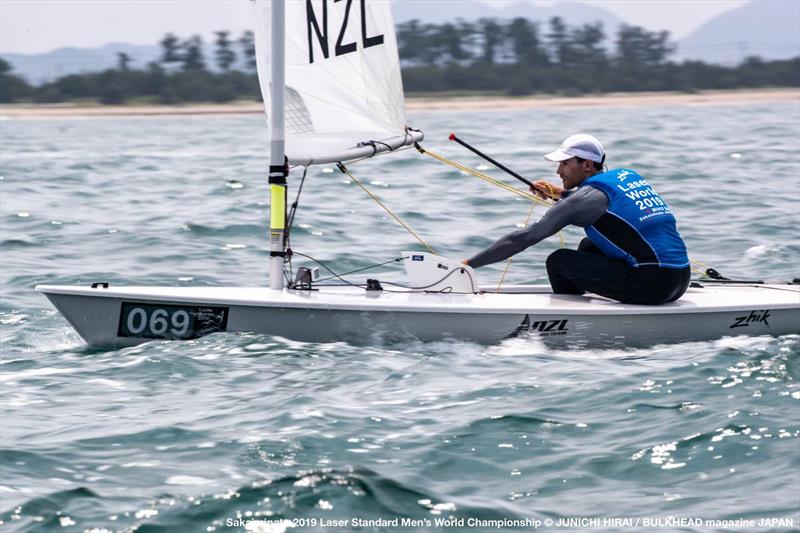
[(509, 423), (48, 511), (762, 250), (684, 406), (331, 494), (231, 230), (13, 244)]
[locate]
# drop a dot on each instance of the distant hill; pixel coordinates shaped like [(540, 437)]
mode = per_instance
[(39, 68), (766, 28)]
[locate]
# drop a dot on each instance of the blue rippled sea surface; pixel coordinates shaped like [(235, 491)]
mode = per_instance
[(209, 434)]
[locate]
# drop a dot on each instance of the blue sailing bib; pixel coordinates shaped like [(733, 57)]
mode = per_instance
[(638, 227)]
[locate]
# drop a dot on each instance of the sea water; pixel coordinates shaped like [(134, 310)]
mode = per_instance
[(260, 433)]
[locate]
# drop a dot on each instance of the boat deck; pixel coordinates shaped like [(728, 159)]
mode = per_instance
[(513, 299)]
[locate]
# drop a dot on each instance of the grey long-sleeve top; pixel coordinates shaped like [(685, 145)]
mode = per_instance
[(580, 207)]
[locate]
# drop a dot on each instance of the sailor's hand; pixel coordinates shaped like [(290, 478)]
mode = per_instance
[(545, 189), (465, 262)]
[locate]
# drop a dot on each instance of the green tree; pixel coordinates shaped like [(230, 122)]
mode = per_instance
[(171, 47), (248, 46), (637, 47), (525, 43), (519, 83), (559, 41), (413, 43), (492, 39), (224, 55), (587, 45), (154, 80), (77, 85), (12, 87), (193, 59), (114, 87), (123, 60), (450, 41)]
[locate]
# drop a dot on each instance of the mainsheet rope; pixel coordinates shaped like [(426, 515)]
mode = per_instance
[(344, 170), (519, 192), (489, 179), (508, 263)]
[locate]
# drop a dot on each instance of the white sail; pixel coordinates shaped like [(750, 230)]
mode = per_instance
[(344, 94)]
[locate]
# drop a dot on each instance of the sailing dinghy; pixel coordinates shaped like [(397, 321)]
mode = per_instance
[(331, 82)]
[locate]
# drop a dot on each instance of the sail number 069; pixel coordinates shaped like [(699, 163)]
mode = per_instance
[(156, 321), (159, 322)]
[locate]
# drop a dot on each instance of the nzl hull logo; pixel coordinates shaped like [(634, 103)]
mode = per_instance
[(542, 328), (755, 317)]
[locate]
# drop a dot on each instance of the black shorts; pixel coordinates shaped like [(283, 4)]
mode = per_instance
[(588, 269)]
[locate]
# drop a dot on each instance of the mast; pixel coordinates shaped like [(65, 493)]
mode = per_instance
[(277, 164)]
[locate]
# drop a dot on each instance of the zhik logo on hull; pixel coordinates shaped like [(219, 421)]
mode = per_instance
[(755, 317)]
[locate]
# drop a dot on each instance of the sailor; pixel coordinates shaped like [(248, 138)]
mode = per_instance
[(632, 252)]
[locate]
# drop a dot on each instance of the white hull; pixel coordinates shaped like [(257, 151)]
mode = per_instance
[(130, 315)]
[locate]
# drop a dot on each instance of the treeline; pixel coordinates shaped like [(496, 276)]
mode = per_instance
[(514, 57), (520, 57), (182, 74)]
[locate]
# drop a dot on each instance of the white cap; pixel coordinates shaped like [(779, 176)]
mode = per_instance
[(579, 145)]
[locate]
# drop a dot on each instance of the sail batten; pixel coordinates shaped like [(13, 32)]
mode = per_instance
[(343, 82)]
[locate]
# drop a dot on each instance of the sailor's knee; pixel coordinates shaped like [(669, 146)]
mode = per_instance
[(586, 245), (558, 258)]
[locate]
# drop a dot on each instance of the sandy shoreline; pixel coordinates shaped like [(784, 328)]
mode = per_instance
[(426, 103)]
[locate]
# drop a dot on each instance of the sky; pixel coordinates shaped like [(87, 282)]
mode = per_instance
[(35, 26)]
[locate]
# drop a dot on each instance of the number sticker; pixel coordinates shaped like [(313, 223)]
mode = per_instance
[(157, 323), (181, 322), (137, 320), (165, 321)]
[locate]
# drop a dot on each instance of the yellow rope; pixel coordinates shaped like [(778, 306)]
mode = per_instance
[(551, 191), (493, 181), (697, 270), (533, 198), (508, 263), (406, 226)]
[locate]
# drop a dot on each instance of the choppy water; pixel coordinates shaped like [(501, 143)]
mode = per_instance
[(190, 436)]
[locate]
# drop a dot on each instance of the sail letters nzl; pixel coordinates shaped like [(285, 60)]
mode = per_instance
[(321, 33)]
